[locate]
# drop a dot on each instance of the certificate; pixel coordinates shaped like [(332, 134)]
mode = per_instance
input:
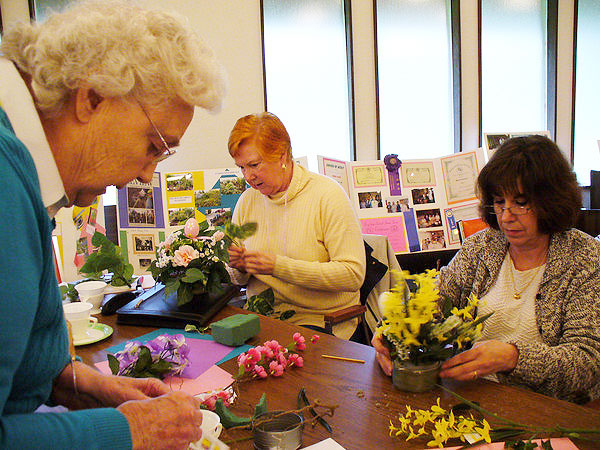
[(418, 174), (369, 176), (460, 175)]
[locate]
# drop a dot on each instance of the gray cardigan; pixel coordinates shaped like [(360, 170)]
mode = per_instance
[(567, 310)]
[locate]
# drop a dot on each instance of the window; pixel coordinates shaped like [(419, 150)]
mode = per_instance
[(586, 154), (43, 8), (514, 66), (307, 77), (415, 78)]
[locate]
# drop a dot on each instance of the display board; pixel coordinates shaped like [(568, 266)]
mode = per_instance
[(415, 203), (148, 212)]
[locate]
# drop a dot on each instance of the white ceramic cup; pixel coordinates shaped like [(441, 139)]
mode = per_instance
[(211, 423), (92, 292), (78, 315)]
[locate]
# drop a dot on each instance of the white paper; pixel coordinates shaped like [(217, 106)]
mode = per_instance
[(327, 444)]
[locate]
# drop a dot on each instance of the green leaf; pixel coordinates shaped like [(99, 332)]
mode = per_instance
[(184, 294), (287, 314), (144, 360), (192, 275), (193, 328), (261, 406), (262, 303), (113, 363), (161, 367), (171, 285), (229, 419)]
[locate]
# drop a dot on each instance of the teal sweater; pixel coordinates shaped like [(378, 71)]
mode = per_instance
[(33, 333)]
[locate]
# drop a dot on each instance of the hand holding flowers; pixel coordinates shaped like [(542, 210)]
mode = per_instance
[(421, 328)]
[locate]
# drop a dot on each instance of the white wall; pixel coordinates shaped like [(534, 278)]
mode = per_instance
[(232, 30)]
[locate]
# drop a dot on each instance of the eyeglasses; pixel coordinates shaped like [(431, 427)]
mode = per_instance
[(167, 150), (514, 210)]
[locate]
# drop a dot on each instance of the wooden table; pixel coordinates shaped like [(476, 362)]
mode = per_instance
[(366, 399)]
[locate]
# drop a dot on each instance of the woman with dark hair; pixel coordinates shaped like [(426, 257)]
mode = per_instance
[(539, 277)]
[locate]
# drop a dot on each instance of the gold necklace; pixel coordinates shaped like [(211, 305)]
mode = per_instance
[(517, 294)]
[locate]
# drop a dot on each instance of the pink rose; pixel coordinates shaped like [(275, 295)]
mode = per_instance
[(184, 255), (191, 228)]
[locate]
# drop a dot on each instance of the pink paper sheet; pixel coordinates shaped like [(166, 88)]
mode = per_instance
[(212, 379)]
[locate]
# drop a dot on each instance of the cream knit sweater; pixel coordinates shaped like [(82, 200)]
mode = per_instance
[(320, 257)]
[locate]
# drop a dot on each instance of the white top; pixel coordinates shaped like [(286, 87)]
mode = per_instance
[(513, 319)]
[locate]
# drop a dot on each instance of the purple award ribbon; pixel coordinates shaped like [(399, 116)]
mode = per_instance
[(393, 164)]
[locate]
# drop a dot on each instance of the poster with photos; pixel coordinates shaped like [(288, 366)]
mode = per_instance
[(140, 205), (418, 213), (209, 195)]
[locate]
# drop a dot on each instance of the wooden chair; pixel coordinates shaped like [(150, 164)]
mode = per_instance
[(381, 259)]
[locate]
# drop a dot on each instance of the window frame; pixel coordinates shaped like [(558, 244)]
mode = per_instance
[(456, 71), (347, 7)]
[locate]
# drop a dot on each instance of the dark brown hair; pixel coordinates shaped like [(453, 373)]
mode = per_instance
[(535, 167)]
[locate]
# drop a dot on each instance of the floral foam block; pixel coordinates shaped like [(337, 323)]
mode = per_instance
[(235, 330)]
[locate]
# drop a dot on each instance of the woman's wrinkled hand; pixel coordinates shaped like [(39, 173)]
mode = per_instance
[(97, 390), (485, 358), (171, 421), (383, 354), (236, 258), (259, 262)]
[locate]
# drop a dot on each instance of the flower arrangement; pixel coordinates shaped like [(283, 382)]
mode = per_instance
[(161, 357), (421, 328), (192, 260), (272, 358)]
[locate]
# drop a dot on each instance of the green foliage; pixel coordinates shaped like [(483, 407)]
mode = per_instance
[(107, 256), (207, 198), (264, 303), (179, 216), (237, 233), (230, 420), (233, 186), (68, 292)]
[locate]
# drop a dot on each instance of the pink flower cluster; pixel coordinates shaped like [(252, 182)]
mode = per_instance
[(272, 358), (210, 401)]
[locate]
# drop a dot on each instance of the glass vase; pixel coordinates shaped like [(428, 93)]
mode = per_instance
[(415, 378)]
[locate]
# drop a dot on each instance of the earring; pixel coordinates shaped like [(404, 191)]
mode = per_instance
[(283, 166)]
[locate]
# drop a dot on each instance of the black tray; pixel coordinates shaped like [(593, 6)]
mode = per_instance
[(152, 309)]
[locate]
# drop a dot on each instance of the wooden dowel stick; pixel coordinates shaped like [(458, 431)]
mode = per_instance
[(341, 358)]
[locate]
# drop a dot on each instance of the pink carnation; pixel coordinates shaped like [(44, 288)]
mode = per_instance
[(276, 369), (260, 371), (296, 360), (184, 255)]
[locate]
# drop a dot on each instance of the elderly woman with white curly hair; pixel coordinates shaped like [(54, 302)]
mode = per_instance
[(95, 96)]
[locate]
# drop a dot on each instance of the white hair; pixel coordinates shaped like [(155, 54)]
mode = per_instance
[(116, 49)]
